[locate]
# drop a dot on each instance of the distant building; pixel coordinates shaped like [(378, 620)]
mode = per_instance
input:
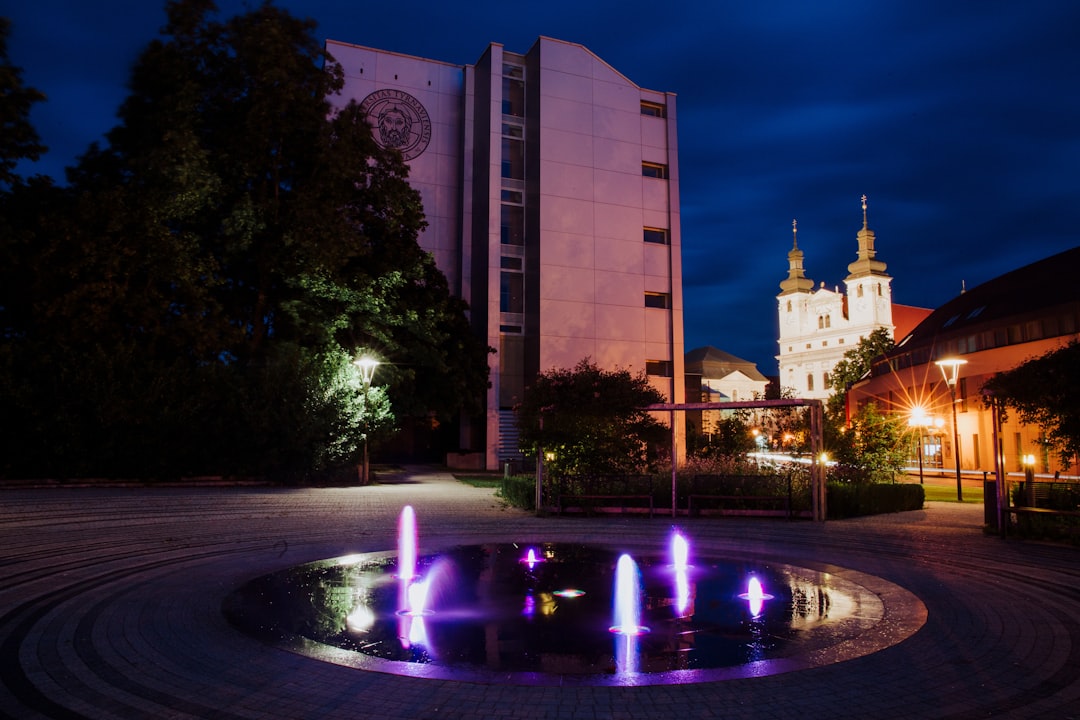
[(550, 183), (716, 376), (817, 326), (994, 327)]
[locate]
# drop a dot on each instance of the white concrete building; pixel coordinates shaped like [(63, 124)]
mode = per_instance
[(550, 185), (817, 326)]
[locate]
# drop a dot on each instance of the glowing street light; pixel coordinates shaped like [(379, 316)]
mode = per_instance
[(922, 422), (367, 367), (950, 370)]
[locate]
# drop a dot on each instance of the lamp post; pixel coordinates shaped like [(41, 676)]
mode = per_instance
[(367, 367), (950, 370), (920, 421)]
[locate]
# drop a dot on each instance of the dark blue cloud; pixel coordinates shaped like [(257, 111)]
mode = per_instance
[(960, 121)]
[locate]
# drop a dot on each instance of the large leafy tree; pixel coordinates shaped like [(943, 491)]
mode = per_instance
[(872, 448), (191, 301), (1045, 391), (591, 420), (851, 368), (18, 138)]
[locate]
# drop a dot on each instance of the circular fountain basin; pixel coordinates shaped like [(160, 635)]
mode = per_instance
[(487, 613)]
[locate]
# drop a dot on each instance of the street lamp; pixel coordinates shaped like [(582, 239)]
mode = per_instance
[(919, 420), (950, 370), (367, 367)]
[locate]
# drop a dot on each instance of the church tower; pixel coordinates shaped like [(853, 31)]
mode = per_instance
[(817, 326), (868, 286)]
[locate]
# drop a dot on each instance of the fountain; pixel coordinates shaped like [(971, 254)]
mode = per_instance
[(550, 612), (680, 556), (627, 606), (755, 596), (406, 544)]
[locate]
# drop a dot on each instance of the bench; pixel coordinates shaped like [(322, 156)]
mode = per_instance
[(575, 501), (1023, 509), (762, 499)]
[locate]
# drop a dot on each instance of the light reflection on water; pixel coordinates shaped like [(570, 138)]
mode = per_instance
[(486, 609)]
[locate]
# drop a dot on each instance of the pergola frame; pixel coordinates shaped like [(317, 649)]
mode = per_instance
[(817, 445)]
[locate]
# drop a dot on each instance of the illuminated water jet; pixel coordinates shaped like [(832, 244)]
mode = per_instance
[(627, 610), (755, 595), (406, 544), (680, 556)]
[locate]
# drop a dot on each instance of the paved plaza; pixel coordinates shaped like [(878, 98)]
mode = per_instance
[(110, 607)]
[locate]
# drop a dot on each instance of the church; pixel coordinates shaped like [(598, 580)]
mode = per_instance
[(818, 325)]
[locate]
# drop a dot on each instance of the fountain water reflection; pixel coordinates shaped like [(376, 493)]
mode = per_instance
[(551, 608)]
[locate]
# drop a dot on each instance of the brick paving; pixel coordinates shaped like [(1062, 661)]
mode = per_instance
[(110, 607)]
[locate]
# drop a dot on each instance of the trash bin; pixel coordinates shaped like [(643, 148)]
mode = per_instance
[(990, 503)]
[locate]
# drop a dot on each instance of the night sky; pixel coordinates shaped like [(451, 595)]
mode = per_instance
[(959, 120)]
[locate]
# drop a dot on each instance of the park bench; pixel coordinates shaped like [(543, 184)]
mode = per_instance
[(601, 503)]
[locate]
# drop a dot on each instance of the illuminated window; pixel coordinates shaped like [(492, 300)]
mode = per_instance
[(656, 235), (654, 170), (809, 382)]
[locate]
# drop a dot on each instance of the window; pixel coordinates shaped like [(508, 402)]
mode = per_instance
[(654, 170), (657, 300), (789, 306), (858, 291), (828, 321), (512, 230), (510, 329), (653, 109), (825, 380), (513, 159), (660, 368), (810, 382), (511, 196), (820, 322), (656, 235), (510, 292), (513, 97), (511, 263)]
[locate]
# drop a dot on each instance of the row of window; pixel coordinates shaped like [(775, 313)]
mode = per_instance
[(1063, 323), (512, 285)]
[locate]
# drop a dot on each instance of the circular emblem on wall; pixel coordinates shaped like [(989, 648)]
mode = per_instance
[(399, 121)]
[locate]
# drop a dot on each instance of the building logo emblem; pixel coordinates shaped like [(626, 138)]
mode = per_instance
[(399, 121)]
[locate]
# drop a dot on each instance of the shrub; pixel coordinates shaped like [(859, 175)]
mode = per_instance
[(843, 500), (519, 491)]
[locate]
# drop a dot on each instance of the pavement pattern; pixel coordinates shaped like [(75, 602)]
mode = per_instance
[(110, 607)]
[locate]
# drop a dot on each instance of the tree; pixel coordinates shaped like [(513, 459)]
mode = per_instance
[(873, 446), (851, 368), (192, 300), (591, 420), (1044, 391), (18, 138)]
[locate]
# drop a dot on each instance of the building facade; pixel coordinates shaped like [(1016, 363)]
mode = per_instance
[(992, 328), (713, 375), (818, 325), (550, 185)]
